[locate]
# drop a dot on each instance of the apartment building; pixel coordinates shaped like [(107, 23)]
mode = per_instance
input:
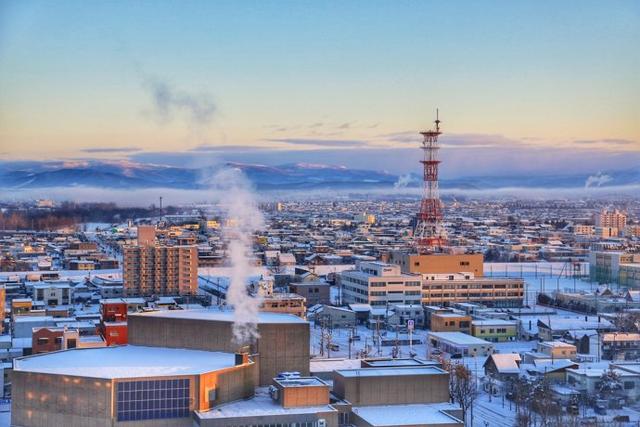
[(53, 293), (448, 289), (160, 270), (284, 303), (379, 284), (615, 218)]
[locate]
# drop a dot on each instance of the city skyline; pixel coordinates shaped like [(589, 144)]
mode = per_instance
[(323, 82)]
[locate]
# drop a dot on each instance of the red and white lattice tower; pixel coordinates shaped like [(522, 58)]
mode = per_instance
[(429, 234)]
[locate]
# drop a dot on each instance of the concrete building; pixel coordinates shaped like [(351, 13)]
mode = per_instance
[(438, 263), (336, 317), (460, 344), (629, 275), (448, 289), (301, 401), (314, 292), (53, 293), (495, 330), (160, 270), (283, 344), (604, 266), (379, 284), (620, 346), (450, 322), (396, 396), (607, 218), (557, 350), (284, 303)]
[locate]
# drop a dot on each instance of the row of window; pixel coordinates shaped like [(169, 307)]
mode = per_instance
[(153, 399)]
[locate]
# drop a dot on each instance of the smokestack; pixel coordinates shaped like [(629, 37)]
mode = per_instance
[(160, 203), (242, 358)]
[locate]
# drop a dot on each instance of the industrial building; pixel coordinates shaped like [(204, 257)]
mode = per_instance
[(283, 343), (110, 385)]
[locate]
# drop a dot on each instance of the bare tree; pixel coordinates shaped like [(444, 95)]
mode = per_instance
[(543, 403), (462, 386)]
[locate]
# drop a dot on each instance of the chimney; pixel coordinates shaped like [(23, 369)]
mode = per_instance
[(242, 358)]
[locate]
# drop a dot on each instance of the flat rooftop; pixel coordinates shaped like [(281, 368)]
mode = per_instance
[(301, 382), (408, 415), (261, 404), (390, 372), (458, 338), (125, 362), (219, 315), (385, 363)]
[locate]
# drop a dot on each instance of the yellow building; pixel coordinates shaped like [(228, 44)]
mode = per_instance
[(285, 303), (450, 322), (495, 330)]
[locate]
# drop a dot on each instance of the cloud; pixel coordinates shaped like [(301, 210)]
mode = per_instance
[(344, 143), (611, 141), (98, 150), (167, 102), (226, 148)]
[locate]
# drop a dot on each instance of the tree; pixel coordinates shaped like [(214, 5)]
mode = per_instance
[(462, 387), (627, 321), (610, 384), (542, 401)]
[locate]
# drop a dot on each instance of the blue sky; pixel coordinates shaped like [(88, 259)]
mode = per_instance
[(347, 82)]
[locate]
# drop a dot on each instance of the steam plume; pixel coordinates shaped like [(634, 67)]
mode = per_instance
[(403, 181), (597, 180), (168, 101), (243, 218)]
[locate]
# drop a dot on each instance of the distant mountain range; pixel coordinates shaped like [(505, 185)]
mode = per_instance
[(131, 175)]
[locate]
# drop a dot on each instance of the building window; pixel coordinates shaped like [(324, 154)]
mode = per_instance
[(154, 399)]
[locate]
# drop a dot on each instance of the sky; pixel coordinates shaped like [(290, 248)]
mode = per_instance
[(522, 87)]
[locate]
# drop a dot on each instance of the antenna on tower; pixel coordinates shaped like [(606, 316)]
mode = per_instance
[(429, 234)]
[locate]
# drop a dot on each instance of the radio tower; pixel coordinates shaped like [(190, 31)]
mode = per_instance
[(429, 235)]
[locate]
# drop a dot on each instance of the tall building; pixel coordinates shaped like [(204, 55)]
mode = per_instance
[(160, 270), (615, 219)]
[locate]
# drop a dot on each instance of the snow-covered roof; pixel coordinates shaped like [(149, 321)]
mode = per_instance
[(390, 372), (261, 404), (459, 338), (506, 363), (408, 415), (220, 316), (125, 362), (494, 322)]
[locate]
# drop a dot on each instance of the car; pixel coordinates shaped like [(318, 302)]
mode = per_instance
[(456, 356), (600, 410)]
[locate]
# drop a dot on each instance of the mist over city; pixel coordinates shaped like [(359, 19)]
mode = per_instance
[(319, 214)]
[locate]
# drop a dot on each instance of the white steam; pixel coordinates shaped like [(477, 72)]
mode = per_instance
[(597, 180), (403, 181), (243, 218)]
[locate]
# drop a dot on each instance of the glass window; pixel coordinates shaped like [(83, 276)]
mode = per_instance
[(144, 400)]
